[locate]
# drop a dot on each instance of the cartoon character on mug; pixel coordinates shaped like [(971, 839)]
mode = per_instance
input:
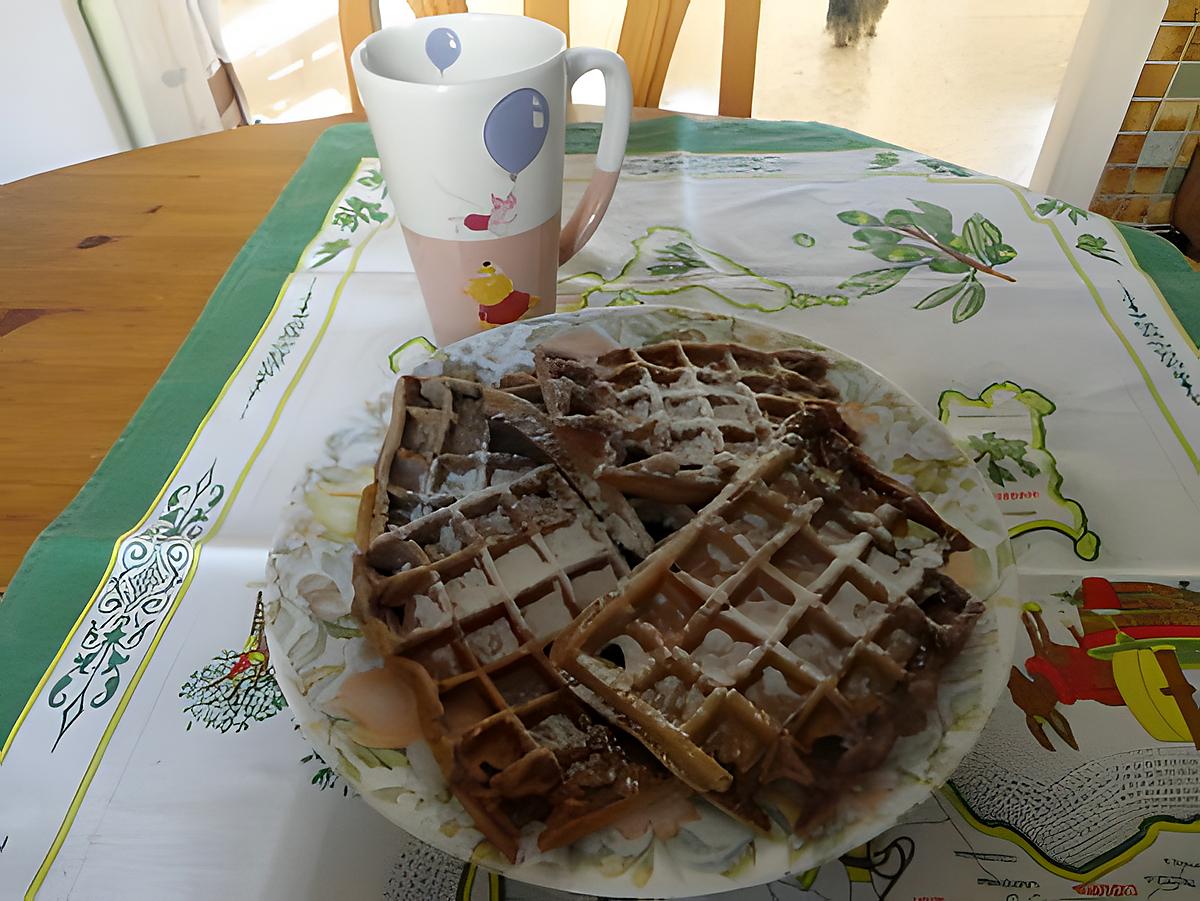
[(497, 221), (499, 301)]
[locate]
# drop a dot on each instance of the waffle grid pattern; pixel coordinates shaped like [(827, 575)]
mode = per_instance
[(756, 653), (677, 410), (761, 641), (479, 590)]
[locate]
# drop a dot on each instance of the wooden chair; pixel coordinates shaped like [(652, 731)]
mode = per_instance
[(648, 36)]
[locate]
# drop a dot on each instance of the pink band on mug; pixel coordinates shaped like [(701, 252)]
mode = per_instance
[(618, 109), (587, 215)]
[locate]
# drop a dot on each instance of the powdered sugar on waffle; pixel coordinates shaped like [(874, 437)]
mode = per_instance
[(787, 609)]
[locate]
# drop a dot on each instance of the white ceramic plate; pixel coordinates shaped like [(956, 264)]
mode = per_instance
[(316, 645)]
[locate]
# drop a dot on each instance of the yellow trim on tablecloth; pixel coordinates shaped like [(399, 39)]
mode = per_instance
[(1011, 835), (112, 560), (1033, 217), (1137, 361), (89, 774)]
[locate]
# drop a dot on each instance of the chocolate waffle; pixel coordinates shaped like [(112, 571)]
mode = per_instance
[(784, 624), (679, 416), (786, 636), (473, 557)]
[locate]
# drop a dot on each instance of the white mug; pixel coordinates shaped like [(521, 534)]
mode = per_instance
[(469, 117)]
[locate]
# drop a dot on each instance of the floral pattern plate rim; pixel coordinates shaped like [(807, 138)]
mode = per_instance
[(675, 852)]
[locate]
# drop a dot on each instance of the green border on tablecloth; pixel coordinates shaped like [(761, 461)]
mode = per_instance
[(725, 136), (61, 570), (1162, 261)]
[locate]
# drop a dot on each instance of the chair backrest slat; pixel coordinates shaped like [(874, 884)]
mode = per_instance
[(647, 42), (552, 12), (649, 33), (739, 50)]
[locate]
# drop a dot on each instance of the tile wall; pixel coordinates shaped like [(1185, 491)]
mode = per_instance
[(1161, 127)]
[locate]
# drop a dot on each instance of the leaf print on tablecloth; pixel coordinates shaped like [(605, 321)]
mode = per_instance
[(373, 179), (1097, 247), (273, 360), (996, 451), (668, 263), (925, 237), (325, 775), (800, 239), (885, 159), (1160, 345), (236, 688), (355, 211), (873, 282), (625, 299), (329, 250), (1051, 206), (676, 259), (941, 166)]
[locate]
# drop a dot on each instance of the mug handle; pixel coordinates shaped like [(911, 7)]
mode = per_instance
[(618, 107)]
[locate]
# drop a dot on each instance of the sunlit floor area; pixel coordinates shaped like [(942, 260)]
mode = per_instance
[(973, 82)]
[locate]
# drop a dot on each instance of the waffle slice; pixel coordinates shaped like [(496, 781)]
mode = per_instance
[(450, 437), (784, 637), (438, 448), (679, 416), (467, 599)]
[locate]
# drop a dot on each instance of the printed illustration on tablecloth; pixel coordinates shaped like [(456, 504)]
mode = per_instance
[(1004, 430), (421, 871), (350, 212), (405, 356), (888, 159), (235, 689), (700, 165), (925, 238), (132, 605), (669, 265), (325, 776), (1052, 206), (866, 873), (1095, 790), (1174, 361), (272, 361), (1097, 247), (354, 211), (1133, 644)]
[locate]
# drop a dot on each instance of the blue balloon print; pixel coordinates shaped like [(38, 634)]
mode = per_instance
[(516, 128), (443, 48)]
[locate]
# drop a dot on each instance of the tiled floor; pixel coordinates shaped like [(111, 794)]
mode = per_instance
[(972, 81)]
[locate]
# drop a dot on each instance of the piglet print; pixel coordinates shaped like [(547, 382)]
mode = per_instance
[(504, 210)]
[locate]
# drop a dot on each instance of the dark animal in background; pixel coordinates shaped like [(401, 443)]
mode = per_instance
[(849, 20)]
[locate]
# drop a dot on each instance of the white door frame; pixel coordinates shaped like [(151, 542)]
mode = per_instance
[(1114, 41)]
